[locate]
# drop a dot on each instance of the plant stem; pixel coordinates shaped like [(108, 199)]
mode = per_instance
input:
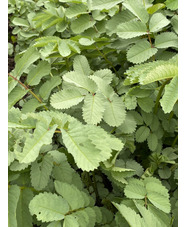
[(174, 142), (23, 85), (159, 95), (153, 57), (57, 85), (145, 201), (120, 7), (67, 64), (106, 59)]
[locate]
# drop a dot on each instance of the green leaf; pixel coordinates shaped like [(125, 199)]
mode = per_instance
[(142, 134), (152, 141), (133, 219), (140, 52), (81, 65), (80, 80), (93, 108), (75, 10), (105, 74), (15, 95), (104, 4), (76, 199), (70, 221), (170, 96), (114, 114), (63, 48), (174, 22), (55, 224), (48, 86), (29, 57), (86, 41), (135, 189), (20, 22), (166, 40), (36, 74), (155, 8), (138, 9), (48, 207), (13, 197), (30, 106), (42, 135), (82, 23), (131, 29), (158, 196), (172, 4), (157, 22), (23, 215), (129, 125), (66, 98), (130, 102), (164, 173), (40, 172), (146, 104)]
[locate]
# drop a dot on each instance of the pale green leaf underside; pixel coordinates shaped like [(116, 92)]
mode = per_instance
[(138, 9), (70, 221), (93, 108), (135, 189), (75, 10), (166, 40), (42, 135), (81, 24), (63, 48), (48, 207), (140, 52), (81, 65), (35, 75), (66, 98), (114, 114), (40, 172), (104, 4), (170, 96), (13, 197), (157, 22), (131, 29)]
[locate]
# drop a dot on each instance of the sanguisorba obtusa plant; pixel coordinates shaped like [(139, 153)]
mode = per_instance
[(93, 102)]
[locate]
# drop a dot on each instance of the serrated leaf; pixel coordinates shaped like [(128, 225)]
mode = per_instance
[(70, 221), (93, 108), (170, 96), (20, 22), (86, 41), (40, 172), (81, 65), (157, 22), (146, 104), (63, 48), (130, 102), (42, 135), (114, 113), (142, 134), (48, 86), (131, 29), (165, 172), (166, 40), (155, 8), (132, 164), (15, 95), (81, 24), (55, 224), (23, 215), (30, 106), (105, 74), (135, 189), (138, 9), (36, 74), (48, 207), (29, 57), (140, 52), (133, 219), (152, 141), (75, 198), (172, 4), (66, 98), (13, 197), (75, 10), (104, 4), (129, 125), (174, 22), (80, 80)]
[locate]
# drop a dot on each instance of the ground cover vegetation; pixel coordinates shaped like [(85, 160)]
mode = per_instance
[(93, 113)]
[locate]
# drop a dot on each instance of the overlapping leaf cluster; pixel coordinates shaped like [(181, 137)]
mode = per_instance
[(93, 113)]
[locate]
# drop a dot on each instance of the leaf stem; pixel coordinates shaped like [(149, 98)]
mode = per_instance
[(175, 141), (153, 57), (23, 85), (95, 188), (159, 96)]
